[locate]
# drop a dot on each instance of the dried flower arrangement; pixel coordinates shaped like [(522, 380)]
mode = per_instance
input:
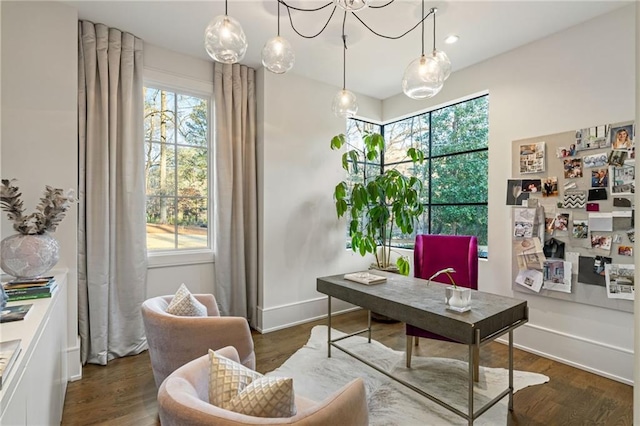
[(49, 212)]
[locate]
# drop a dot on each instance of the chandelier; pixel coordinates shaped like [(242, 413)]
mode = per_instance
[(423, 78)]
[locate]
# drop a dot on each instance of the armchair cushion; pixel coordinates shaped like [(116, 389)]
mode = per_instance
[(184, 304)]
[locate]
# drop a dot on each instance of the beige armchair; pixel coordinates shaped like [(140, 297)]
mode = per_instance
[(175, 340), (184, 395)]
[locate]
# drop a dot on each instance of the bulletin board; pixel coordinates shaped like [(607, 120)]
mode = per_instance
[(571, 197)]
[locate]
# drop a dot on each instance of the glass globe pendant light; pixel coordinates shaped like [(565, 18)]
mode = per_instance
[(345, 104), (277, 54), (224, 39), (351, 5), (424, 77)]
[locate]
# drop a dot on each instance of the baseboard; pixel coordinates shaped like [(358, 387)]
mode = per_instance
[(602, 355), (74, 365), (285, 316)]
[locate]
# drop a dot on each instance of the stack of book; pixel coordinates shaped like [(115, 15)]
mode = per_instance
[(30, 288)]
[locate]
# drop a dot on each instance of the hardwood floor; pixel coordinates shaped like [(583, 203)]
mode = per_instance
[(124, 393)]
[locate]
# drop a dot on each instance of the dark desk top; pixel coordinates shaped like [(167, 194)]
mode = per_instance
[(411, 300)]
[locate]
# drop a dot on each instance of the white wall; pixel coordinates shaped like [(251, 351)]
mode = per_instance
[(39, 130), (300, 237), (578, 78)]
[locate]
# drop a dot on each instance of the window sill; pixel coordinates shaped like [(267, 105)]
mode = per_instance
[(169, 259)]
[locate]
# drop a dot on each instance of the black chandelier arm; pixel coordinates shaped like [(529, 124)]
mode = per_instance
[(305, 10), (391, 37), (382, 5), (344, 53), (296, 30)]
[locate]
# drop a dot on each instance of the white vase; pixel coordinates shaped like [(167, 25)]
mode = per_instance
[(458, 298), (28, 256)]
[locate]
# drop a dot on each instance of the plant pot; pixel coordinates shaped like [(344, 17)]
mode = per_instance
[(458, 298), (28, 256)]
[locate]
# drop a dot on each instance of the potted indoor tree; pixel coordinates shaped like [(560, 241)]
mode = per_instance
[(380, 204)]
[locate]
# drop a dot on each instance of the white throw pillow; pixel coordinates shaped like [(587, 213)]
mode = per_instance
[(184, 304), (234, 387)]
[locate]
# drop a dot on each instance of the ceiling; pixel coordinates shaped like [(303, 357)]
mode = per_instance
[(374, 65)]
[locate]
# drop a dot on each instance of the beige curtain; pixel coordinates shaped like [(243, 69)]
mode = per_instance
[(236, 230), (112, 258)]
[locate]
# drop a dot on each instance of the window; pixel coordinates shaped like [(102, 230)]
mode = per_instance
[(454, 140), (176, 138)]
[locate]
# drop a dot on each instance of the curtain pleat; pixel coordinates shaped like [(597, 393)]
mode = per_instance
[(112, 259), (236, 230)]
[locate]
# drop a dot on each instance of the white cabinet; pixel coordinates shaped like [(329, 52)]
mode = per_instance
[(34, 390)]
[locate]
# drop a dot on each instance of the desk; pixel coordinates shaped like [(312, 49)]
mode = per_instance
[(412, 301)]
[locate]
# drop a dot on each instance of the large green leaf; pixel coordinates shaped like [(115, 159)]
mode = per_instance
[(338, 141)]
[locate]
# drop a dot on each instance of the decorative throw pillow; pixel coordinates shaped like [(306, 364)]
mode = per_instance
[(265, 397), (234, 387), (227, 378), (184, 304)]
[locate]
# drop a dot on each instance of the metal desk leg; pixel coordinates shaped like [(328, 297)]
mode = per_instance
[(329, 328), (511, 370), (369, 325), (472, 363)]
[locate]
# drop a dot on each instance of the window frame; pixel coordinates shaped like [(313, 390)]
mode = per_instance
[(182, 86), (429, 158)]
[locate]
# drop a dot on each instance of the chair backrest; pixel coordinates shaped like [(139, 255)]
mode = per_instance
[(435, 252)]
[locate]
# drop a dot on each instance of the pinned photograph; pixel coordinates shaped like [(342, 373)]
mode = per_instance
[(599, 263), (593, 138), (622, 137), (557, 276), (550, 187), (524, 220), (623, 180), (569, 151), (617, 157), (529, 254), (625, 251), (515, 194), (532, 158), (596, 160), (620, 281), (601, 241), (580, 229), (600, 178), (573, 168), (531, 185), (561, 222)]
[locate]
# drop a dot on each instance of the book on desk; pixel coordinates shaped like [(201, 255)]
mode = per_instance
[(365, 278)]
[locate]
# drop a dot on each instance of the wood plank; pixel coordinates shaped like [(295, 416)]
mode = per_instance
[(124, 393)]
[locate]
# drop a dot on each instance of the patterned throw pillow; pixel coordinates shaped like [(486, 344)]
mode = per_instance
[(184, 304), (265, 397), (227, 378), (235, 387)]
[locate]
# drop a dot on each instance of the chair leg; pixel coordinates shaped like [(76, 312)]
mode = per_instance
[(409, 350), (476, 363), (417, 339)]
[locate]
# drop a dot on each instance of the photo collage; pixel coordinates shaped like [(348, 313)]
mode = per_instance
[(581, 195)]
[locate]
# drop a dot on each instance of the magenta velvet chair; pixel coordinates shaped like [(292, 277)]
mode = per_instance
[(433, 253)]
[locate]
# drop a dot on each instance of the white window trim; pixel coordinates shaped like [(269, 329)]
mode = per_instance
[(168, 81)]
